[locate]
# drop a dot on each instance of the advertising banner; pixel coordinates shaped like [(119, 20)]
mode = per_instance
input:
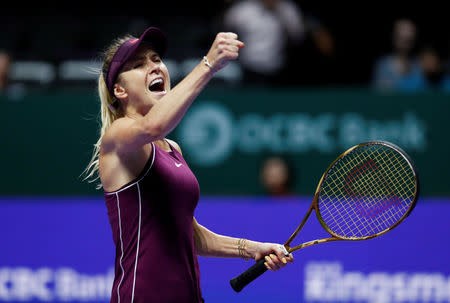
[(228, 134), (60, 249)]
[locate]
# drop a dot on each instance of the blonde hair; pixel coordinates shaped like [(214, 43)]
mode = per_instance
[(108, 114)]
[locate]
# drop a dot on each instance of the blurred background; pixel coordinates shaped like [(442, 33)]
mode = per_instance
[(315, 78)]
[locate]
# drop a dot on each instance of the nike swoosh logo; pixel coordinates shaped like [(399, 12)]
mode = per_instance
[(178, 164)]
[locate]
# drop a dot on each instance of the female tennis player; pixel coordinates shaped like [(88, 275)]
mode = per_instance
[(149, 190)]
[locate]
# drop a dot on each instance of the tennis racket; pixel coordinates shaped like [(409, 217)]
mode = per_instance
[(367, 191)]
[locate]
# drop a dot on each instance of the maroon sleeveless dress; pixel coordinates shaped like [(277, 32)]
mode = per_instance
[(151, 220)]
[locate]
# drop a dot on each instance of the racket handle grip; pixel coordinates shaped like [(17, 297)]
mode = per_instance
[(248, 276)]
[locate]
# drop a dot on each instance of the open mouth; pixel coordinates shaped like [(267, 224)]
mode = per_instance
[(157, 86)]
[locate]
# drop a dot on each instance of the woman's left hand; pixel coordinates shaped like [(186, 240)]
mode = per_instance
[(273, 254)]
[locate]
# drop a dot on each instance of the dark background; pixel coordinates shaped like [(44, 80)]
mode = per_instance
[(361, 31)]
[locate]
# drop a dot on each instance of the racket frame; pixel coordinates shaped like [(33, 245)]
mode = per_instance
[(239, 282), (315, 203)]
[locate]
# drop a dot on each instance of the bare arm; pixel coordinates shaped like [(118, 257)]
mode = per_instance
[(210, 244), (165, 115)]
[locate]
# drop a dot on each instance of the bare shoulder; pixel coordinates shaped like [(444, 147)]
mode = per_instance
[(111, 136), (120, 161), (118, 125), (175, 144)]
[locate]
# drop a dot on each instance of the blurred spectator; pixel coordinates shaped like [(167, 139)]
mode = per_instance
[(268, 28), (277, 176), (322, 38), (434, 70), (314, 61), (5, 64), (401, 70)]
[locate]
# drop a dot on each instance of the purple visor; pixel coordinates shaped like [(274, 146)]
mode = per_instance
[(152, 35)]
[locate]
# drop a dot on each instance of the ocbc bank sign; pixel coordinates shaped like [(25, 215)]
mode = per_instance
[(210, 132)]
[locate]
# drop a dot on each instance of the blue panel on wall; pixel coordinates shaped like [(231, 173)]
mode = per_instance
[(61, 250)]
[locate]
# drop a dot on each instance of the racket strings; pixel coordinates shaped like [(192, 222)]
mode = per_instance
[(371, 183), (371, 198), (342, 221), (367, 191), (350, 227)]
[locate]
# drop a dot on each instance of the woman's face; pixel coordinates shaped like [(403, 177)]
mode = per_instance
[(145, 75)]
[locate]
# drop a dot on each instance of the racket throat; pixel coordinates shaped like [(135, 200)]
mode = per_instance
[(309, 243), (302, 223), (313, 242)]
